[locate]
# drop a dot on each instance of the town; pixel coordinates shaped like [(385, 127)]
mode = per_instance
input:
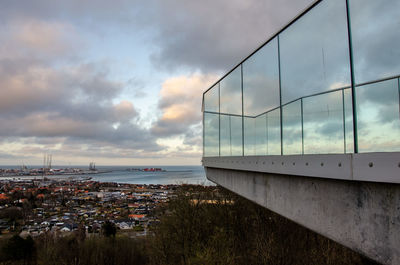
[(58, 206), (48, 170)]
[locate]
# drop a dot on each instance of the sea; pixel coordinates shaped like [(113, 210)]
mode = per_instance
[(169, 175), (127, 174)]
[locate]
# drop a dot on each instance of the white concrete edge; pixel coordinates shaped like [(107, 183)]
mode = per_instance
[(374, 167)]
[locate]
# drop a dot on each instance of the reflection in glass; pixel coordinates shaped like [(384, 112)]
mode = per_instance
[(261, 137), (211, 134), (249, 136), (314, 58), (314, 52), (231, 135), (323, 124), (291, 128), (231, 93), (378, 117), (261, 80), (262, 134), (348, 113), (226, 135), (211, 99), (375, 28), (274, 132)]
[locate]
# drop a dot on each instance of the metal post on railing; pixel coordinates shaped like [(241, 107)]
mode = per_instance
[(230, 134), (302, 127), (398, 86), (204, 138), (202, 122), (266, 132), (241, 79), (280, 94), (344, 122), (219, 119), (353, 91)]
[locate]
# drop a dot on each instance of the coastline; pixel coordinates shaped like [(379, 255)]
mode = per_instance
[(119, 174)]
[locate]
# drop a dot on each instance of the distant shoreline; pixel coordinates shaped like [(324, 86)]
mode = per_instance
[(93, 173), (168, 175)]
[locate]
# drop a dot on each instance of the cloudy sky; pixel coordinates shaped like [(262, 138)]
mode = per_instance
[(119, 82)]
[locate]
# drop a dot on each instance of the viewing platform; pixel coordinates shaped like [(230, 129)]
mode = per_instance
[(308, 125)]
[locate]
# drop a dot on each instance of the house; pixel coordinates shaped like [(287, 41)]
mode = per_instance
[(65, 229), (124, 225)]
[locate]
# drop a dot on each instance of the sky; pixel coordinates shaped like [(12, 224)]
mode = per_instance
[(120, 82)]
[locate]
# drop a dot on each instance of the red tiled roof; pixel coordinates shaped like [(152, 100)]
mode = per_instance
[(137, 216)]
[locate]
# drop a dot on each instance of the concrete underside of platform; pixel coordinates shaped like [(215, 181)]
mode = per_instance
[(364, 216)]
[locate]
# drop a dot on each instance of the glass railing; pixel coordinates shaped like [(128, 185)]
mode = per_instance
[(327, 83)]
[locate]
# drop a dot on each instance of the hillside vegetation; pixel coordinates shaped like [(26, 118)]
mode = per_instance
[(201, 225)]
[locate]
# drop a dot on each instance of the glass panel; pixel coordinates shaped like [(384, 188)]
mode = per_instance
[(211, 99), (274, 132), (231, 93), (378, 117), (261, 146), (261, 80), (249, 136), (291, 122), (314, 52), (375, 28), (231, 135), (348, 113), (211, 134), (323, 124), (226, 135), (237, 140)]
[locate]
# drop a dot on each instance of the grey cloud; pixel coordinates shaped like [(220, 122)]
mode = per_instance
[(381, 98), (86, 12), (390, 114), (314, 52), (71, 103), (332, 128), (375, 29), (73, 147), (127, 135), (7, 156), (166, 128), (47, 99), (38, 87), (208, 35), (193, 136), (382, 93), (213, 35)]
